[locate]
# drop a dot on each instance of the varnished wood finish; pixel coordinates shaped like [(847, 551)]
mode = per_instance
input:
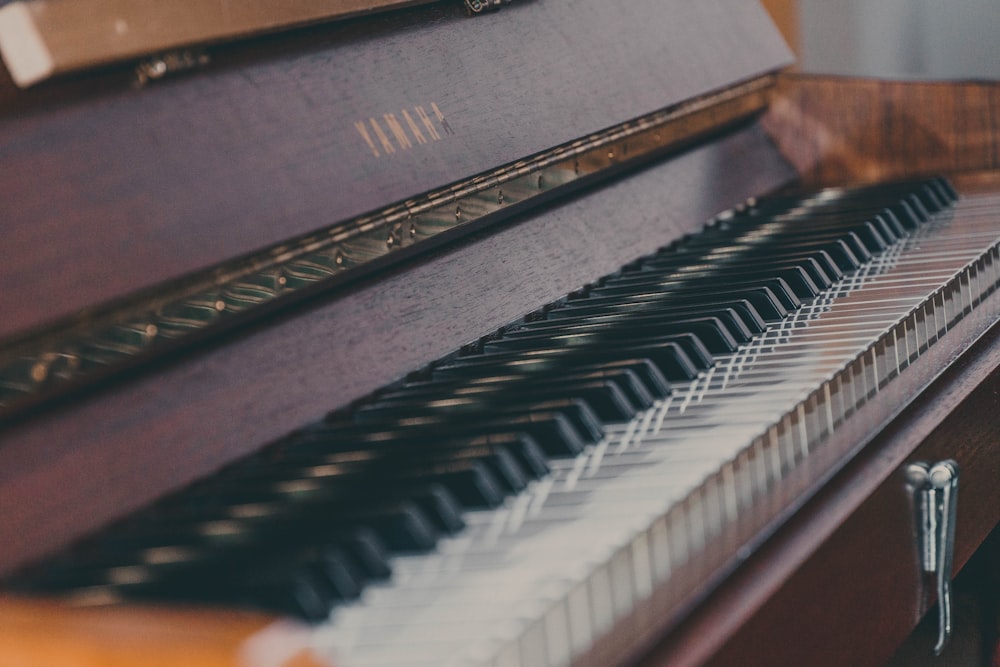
[(106, 190), (40, 38), (843, 130), (840, 583), (36, 633), (138, 439)]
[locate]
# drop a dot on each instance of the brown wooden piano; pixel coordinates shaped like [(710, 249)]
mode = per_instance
[(539, 332)]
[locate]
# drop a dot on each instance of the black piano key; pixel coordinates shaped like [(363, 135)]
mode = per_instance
[(335, 464), (797, 278), (443, 508), (693, 347), (680, 288), (402, 525), (553, 432), (653, 381), (710, 332), (322, 445), (854, 251), (819, 256), (730, 321), (861, 237), (295, 591), (367, 552), (921, 210), (744, 317), (847, 248), (915, 211), (468, 478), (945, 189), (472, 484), (839, 251), (621, 388), (359, 556), (304, 588), (329, 568), (334, 568), (603, 397), (813, 271), (194, 551), (575, 412), (848, 200), (865, 238), (767, 305), (669, 359), (242, 520)]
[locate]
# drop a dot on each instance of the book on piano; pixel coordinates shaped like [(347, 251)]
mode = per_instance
[(410, 333)]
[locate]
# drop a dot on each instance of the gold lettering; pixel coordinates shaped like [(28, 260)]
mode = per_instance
[(363, 131), (384, 140), (441, 119), (414, 130), (397, 131), (431, 130)]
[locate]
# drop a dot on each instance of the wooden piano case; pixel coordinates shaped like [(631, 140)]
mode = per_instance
[(110, 192)]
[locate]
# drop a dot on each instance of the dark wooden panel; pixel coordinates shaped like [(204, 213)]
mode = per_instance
[(72, 469), (103, 194), (840, 130), (840, 583)]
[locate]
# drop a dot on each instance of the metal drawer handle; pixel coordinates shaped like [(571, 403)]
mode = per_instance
[(935, 489)]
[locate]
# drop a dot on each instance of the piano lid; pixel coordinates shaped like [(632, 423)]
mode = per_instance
[(41, 38), (109, 190)]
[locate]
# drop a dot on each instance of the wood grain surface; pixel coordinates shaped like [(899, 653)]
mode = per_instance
[(106, 190), (840, 130), (39, 633), (70, 36)]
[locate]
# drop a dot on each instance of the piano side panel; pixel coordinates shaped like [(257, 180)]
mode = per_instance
[(838, 130), (104, 455)]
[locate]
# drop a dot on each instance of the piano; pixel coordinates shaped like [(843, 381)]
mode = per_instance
[(486, 333)]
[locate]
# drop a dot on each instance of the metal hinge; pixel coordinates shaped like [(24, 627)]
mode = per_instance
[(935, 494), (480, 6)]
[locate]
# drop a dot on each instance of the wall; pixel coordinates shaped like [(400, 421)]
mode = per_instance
[(902, 38)]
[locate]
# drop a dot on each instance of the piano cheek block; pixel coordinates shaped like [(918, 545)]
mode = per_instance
[(37, 633)]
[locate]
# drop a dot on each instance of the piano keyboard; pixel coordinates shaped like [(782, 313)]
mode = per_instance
[(515, 502)]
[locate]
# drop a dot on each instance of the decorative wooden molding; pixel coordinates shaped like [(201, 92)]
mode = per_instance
[(836, 130), (111, 338)]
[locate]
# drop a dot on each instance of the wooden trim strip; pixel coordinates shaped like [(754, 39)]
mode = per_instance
[(41, 633), (104, 341), (44, 38)]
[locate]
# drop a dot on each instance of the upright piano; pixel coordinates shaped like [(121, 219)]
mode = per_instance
[(539, 332)]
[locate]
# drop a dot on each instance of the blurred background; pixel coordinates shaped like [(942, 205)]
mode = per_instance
[(925, 39)]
